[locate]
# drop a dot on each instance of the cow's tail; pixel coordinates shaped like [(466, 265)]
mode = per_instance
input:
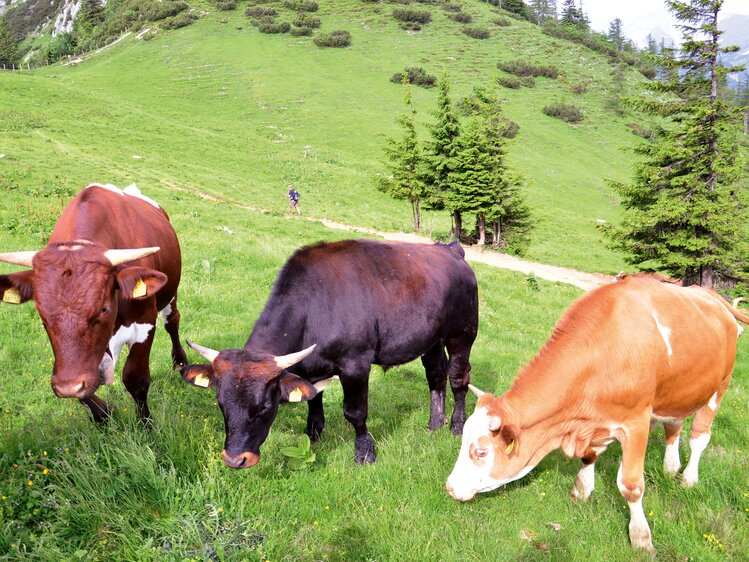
[(735, 310)]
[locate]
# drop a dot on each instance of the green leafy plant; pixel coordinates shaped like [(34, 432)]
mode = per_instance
[(300, 456)]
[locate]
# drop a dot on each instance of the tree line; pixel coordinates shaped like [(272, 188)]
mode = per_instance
[(461, 168)]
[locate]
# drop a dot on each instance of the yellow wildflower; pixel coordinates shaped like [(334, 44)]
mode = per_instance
[(30, 483)]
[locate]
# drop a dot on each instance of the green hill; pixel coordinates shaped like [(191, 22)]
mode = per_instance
[(221, 108)]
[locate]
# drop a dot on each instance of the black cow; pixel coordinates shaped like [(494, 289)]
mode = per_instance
[(347, 305)]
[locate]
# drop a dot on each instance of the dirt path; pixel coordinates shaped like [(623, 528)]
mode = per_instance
[(478, 254)]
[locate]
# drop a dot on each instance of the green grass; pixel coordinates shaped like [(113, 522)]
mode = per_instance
[(220, 107), (123, 493)]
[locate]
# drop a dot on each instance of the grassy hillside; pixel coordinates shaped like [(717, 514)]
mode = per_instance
[(122, 493), (220, 107)]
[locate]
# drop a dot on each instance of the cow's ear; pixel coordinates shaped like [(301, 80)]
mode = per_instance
[(16, 288), (295, 389), (198, 375), (139, 282), (510, 435)]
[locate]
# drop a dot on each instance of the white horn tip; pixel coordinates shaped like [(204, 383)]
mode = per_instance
[(204, 352), (476, 391)]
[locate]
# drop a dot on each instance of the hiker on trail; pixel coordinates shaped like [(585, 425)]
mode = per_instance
[(294, 200)]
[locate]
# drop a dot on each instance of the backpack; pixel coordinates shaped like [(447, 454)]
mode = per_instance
[(294, 195)]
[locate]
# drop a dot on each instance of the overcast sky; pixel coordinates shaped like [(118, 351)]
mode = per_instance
[(641, 17)]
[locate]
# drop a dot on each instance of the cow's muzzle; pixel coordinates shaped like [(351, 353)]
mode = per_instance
[(245, 460), (76, 388)]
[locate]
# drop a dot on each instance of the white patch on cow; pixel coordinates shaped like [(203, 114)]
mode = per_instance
[(325, 383), (696, 446), (106, 369), (713, 404), (469, 478), (665, 334), (639, 530), (585, 482), (166, 311), (131, 190), (127, 335), (663, 419), (740, 328), (671, 460)]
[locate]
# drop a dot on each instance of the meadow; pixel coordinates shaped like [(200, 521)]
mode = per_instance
[(218, 108)]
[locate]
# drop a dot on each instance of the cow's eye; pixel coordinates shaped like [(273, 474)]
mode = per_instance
[(481, 453), (105, 310)]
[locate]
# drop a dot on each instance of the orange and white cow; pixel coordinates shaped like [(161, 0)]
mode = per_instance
[(623, 356)]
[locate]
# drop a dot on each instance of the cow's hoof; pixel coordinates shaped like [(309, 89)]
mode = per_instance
[(434, 425), (364, 450), (457, 426), (313, 433), (367, 457)]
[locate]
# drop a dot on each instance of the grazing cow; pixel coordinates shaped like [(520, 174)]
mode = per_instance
[(624, 355), (347, 305), (95, 293)]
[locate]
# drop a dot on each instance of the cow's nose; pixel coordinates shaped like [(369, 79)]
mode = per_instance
[(70, 389), (245, 460)]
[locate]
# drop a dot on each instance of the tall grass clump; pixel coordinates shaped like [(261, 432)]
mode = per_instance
[(412, 15), (260, 12), (338, 38), (301, 5), (300, 31), (274, 27), (414, 75), (461, 17), (502, 22), (515, 82), (565, 111), (305, 20), (180, 20), (225, 5), (522, 68), (476, 32)]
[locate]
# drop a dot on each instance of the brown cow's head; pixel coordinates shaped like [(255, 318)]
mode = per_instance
[(249, 387), (491, 454), (75, 287)]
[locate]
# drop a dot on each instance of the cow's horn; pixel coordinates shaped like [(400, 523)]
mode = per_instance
[(206, 352), (476, 391), (118, 257), (286, 361), (18, 258)]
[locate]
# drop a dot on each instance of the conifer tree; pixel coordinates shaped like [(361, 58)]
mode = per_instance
[(616, 34), (404, 180), (683, 213), (543, 10), (8, 51), (441, 154)]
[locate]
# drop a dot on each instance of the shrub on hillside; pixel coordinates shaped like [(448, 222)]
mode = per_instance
[(579, 88), (301, 5), (451, 7), (516, 82), (414, 75), (502, 22), (476, 32), (275, 27), (301, 31), (410, 26), (263, 20), (522, 68), (641, 131), (180, 20), (225, 5), (412, 15), (338, 38), (461, 17), (259, 12), (305, 20), (566, 111)]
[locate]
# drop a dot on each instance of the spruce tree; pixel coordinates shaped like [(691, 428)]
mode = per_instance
[(543, 10), (8, 51), (510, 216), (441, 154), (616, 34), (683, 213), (404, 180)]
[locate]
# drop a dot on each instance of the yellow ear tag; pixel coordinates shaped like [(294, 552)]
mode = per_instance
[(511, 447), (140, 289), (12, 295), (295, 395), (201, 380)]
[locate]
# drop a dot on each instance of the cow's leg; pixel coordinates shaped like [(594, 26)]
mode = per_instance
[(136, 374), (435, 365), (585, 480), (671, 461), (459, 371), (170, 316), (700, 435), (631, 482), (315, 418), (99, 409), (355, 383)]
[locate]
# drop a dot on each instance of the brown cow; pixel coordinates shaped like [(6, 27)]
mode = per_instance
[(624, 355), (91, 303)]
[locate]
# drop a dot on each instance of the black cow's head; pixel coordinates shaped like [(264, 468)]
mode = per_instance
[(249, 386), (75, 287)]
